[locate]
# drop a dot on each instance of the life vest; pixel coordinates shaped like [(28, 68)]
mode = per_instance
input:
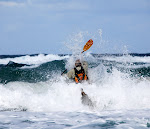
[(80, 75)]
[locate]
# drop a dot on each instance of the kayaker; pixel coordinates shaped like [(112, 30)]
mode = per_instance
[(79, 72)]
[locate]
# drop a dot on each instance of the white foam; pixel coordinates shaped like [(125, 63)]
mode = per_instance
[(128, 58), (30, 60), (110, 91), (115, 92), (41, 98)]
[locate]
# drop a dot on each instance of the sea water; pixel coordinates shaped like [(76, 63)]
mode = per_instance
[(34, 95)]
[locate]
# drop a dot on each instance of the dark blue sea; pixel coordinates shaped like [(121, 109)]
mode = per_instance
[(34, 95)]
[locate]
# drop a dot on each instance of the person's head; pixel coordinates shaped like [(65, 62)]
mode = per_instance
[(78, 63)]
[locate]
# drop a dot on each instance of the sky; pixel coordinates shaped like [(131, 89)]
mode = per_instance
[(61, 26)]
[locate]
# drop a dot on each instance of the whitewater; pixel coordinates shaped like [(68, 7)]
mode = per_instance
[(34, 95)]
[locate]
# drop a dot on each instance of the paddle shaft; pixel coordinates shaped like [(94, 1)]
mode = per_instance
[(63, 71)]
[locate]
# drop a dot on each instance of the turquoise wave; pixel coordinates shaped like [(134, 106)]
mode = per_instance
[(26, 73)]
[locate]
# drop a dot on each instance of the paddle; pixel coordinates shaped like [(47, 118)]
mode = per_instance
[(87, 45), (85, 48)]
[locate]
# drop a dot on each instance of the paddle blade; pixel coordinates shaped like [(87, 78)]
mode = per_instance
[(88, 45)]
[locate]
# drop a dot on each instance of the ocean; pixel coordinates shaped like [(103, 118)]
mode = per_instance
[(34, 95)]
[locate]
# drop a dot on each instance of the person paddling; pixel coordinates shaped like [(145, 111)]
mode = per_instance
[(79, 72)]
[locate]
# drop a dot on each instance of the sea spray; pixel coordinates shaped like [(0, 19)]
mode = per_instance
[(110, 87), (40, 97)]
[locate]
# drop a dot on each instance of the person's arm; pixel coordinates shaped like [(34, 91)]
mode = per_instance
[(71, 74), (85, 63), (85, 66)]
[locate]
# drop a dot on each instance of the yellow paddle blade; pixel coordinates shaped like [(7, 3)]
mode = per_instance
[(88, 45)]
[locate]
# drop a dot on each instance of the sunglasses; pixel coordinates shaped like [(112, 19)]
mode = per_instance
[(77, 63)]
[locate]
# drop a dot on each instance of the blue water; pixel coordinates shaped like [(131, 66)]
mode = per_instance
[(33, 94), (136, 119)]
